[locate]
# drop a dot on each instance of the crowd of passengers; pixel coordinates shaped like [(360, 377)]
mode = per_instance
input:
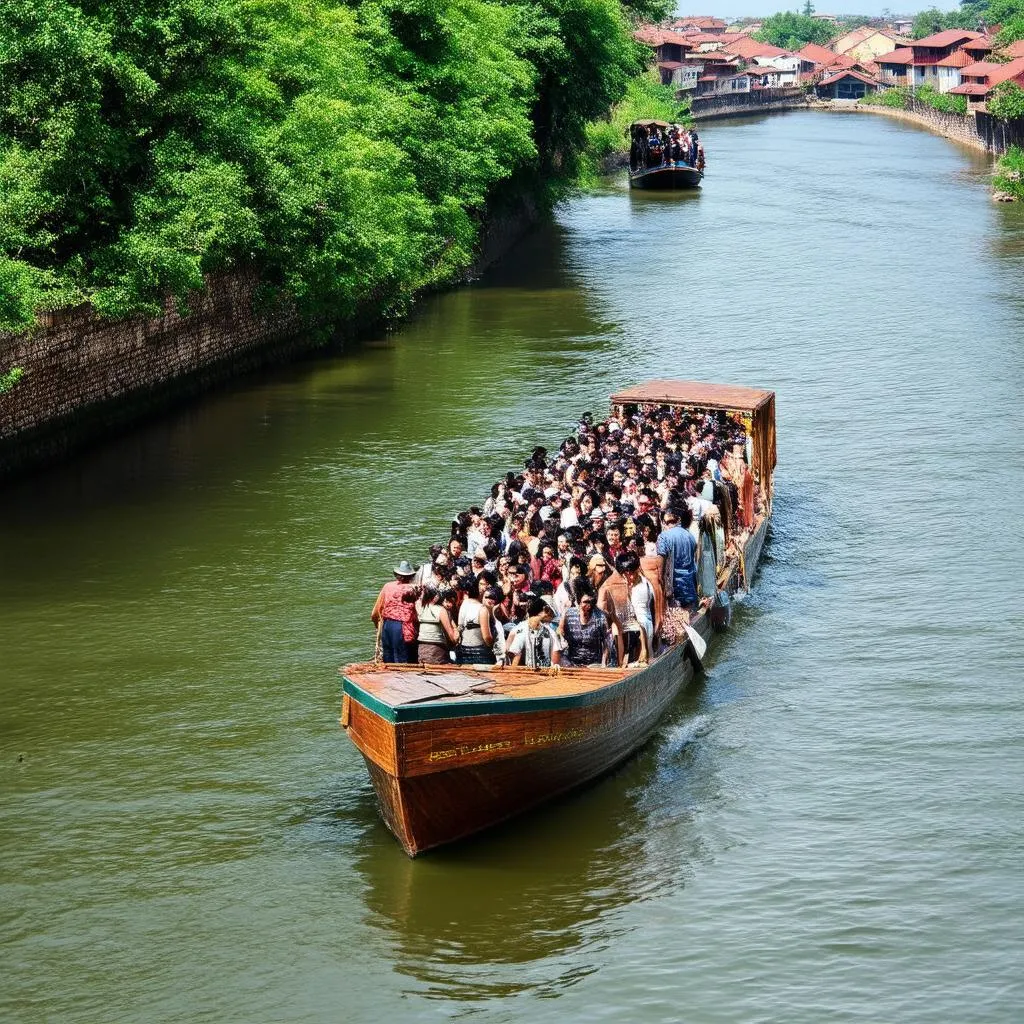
[(659, 147), (592, 557)]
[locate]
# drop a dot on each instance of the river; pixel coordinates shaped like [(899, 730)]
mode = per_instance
[(828, 828)]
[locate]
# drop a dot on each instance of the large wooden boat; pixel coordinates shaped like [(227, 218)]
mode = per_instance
[(452, 750)]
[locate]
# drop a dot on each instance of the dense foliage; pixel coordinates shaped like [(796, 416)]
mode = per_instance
[(1006, 101), (794, 31), (1009, 175), (974, 14), (345, 150), (903, 99)]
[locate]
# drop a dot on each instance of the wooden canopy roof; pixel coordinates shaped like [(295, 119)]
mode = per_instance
[(759, 405), (695, 393)]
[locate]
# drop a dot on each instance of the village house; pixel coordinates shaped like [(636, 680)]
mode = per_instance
[(980, 79), (667, 45), (866, 43), (685, 77), (700, 23), (846, 84), (936, 60), (718, 66)]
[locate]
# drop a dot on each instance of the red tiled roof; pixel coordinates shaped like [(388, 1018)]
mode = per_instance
[(993, 75), (651, 35), (858, 35), (708, 37), (969, 89), (670, 65), (848, 73), (957, 59), (819, 54), (748, 48), (982, 43), (699, 20), (904, 56), (1015, 49), (948, 37)]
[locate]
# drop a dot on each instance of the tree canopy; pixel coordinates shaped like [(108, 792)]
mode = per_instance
[(345, 150), (793, 31)]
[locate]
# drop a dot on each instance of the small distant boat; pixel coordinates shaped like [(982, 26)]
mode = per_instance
[(452, 750), (677, 174)]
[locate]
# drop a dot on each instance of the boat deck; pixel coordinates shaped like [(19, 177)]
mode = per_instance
[(405, 691)]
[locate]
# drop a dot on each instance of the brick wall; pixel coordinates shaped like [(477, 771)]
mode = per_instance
[(84, 376)]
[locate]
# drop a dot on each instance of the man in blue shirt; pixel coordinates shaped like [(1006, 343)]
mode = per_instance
[(677, 546)]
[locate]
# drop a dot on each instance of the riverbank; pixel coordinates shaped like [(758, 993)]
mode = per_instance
[(962, 128), (83, 378), (224, 218), (763, 101)]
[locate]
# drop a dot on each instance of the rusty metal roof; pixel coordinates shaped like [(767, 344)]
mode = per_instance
[(695, 393)]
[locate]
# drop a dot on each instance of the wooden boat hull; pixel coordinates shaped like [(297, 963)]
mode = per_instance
[(447, 778), (678, 176), (443, 771)]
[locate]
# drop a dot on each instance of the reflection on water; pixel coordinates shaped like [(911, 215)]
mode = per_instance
[(521, 908)]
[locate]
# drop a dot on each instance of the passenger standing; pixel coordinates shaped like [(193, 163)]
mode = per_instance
[(534, 642), (437, 634), (638, 633), (677, 546), (394, 612), (584, 630), (476, 632)]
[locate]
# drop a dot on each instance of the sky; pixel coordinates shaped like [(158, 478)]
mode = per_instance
[(762, 8)]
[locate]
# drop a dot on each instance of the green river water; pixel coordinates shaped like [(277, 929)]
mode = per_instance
[(827, 828)]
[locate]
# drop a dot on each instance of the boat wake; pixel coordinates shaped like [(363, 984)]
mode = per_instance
[(681, 735)]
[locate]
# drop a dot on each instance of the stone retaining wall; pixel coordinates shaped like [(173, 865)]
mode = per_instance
[(746, 104), (85, 376), (958, 127)]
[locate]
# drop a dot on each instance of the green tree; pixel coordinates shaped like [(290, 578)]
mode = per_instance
[(344, 149), (808, 8), (1006, 101), (792, 31)]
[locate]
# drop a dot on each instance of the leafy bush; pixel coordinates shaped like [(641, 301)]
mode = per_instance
[(345, 149), (1006, 101), (1009, 176), (794, 31), (942, 101), (898, 97), (902, 98)]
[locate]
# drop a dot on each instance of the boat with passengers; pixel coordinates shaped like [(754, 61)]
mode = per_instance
[(664, 156), (452, 749)]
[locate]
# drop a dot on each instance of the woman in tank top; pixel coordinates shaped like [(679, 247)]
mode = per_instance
[(437, 635), (476, 632)]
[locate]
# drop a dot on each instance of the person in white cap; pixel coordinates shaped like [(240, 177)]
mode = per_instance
[(395, 613)]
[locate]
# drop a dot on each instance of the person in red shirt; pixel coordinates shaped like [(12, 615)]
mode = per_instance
[(394, 612)]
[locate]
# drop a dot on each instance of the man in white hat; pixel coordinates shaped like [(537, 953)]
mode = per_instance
[(394, 612)]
